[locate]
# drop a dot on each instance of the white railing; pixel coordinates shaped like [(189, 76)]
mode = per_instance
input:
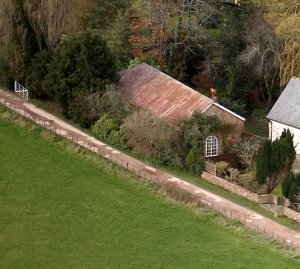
[(21, 90)]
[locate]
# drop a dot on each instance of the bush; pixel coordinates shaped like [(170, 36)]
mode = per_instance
[(248, 181), (232, 174), (108, 129), (221, 168), (151, 136), (194, 161), (114, 103)]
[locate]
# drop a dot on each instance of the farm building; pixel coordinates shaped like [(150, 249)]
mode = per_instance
[(148, 88), (285, 113)]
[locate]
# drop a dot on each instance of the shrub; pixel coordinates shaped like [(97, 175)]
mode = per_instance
[(221, 168), (108, 128), (194, 161), (232, 174), (151, 136), (114, 103)]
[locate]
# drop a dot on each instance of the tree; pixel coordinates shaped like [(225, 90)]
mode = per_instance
[(104, 12), (275, 159), (291, 189), (18, 36), (28, 27), (82, 62), (36, 73), (284, 17), (247, 150), (261, 55), (117, 38), (48, 19)]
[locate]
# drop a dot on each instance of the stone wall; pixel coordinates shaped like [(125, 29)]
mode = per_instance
[(265, 199), (260, 199), (292, 214), (210, 168), (230, 186)]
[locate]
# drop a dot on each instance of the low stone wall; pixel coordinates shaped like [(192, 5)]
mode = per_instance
[(265, 199), (292, 214), (230, 186), (210, 168)]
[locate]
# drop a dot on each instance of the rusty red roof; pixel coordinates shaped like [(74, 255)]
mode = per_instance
[(148, 88)]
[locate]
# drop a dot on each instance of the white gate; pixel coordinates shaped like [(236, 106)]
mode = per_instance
[(21, 90)]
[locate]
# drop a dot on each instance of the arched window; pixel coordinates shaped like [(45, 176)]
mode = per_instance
[(211, 146)]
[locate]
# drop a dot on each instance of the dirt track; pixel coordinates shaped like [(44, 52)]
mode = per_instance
[(226, 207)]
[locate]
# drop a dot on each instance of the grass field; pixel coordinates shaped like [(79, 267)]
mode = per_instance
[(259, 118), (59, 209)]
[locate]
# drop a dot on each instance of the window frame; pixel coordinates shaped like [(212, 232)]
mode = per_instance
[(211, 146)]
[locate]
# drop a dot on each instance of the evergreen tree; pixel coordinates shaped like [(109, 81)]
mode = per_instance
[(287, 183), (82, 63), (262, 162), (118, 38), (275, 159)]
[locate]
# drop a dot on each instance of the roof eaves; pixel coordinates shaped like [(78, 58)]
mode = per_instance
[(289, 125), (229, 111)]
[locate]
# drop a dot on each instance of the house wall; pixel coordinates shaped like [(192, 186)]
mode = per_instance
[(276, 128), (226, 117)]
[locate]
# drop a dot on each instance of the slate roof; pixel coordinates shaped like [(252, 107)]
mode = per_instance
[(148, 88), (286, 110)]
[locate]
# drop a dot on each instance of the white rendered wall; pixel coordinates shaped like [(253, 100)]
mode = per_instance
[(276, 128)]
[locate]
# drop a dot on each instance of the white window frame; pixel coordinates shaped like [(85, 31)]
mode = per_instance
[(211, 146)]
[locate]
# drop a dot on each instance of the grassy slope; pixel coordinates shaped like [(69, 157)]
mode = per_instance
[(60, 210)]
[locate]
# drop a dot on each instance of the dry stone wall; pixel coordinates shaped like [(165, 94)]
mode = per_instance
[(230, 186), (292, 214)]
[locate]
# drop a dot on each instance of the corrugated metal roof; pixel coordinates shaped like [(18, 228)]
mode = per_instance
[(148, 88), (287, 108)]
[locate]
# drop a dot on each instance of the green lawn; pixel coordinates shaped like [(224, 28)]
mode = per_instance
[(59, 209)]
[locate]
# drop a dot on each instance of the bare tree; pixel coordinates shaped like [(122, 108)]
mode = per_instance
[(262, 53), (48, 18), (247, 150), (284, 17)]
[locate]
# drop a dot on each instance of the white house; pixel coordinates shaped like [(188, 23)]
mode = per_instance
[(285, 113)]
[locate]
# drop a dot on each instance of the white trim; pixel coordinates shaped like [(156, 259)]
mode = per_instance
[(214, 139), (229, 111)]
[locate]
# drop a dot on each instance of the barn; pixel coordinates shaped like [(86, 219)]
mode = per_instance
[(285, 114), (148, 88)]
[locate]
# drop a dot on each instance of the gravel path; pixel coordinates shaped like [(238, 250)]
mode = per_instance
[(168, 181)]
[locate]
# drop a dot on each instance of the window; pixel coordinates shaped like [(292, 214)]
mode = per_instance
[(211, 146)]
